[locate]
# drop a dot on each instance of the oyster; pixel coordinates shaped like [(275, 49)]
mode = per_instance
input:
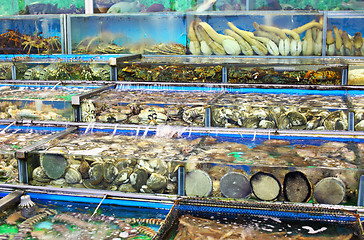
[(336, 120)]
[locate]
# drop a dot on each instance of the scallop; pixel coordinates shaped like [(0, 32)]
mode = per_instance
[(39, 175), (123, 176), (72, 176), (110, 172), (157, 182), (96, 173)]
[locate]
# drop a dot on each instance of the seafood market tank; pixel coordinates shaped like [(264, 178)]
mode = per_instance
[(36, 34), (281, 109), (39, 102), (306, 5), (148, 106), (13, 138), (255, 33), (268, 167), (344, 34), (150, 33)]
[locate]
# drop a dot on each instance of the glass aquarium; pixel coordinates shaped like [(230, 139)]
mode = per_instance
[(31, 34), (39, 102), (356, 101), (285, 71), (63, 70), (270, 167), (344, 37), (150, 33), (117, 160), (281, 109), (255, 33), (197, 218), (56, 216), (172, 69), (309, 5), (148, 107), (13, 138), (355, 74)]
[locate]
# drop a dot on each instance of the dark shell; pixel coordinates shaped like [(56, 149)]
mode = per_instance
[(110, 172), (96, 173), (139, 178), (265, 186), (155, 8), (235, 185), (84, 168), (296, 187), (123, 176), (54, 165)]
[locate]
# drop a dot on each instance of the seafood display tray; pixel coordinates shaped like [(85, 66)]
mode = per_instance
[(170, 160), (195, 217), (58, 216)]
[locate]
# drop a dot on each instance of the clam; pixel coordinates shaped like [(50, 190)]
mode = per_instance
[(251, 122), (359, 126), (39, 175), (127, 188), (159, 166), (96, 173), (266, 124), (123, 176), (157, 182), (284, 122), (84, 168), (296, 119), (110, 172), (123, 163), (336, 120), (72, 176), (139, 178)]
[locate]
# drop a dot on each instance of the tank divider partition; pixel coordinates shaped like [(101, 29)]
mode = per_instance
[(324, 31), (76, 100), (64, 38), (115, 61), (22, 154), (10, 200)]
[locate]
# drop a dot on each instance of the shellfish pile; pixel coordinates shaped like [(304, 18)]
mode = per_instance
[(154, 71), (265, 40), (66, 71), (340, 43), (147, 107), (280, 111), (120, 163)]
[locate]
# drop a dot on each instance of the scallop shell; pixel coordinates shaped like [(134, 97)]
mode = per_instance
[(39, 175), (72, 176), (123, 176), (110, 172), (157, 182), (96, 173)]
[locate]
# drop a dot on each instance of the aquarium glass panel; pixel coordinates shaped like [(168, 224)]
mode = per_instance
[(13, 138), (355, 74), (267, 167), (30, 34), (63, 70), (287, 71), (278, 109), (71, 217), (331, 5), (51, 7), (158, 33), (172, 69), (249, 33), (356, 100), (148, 107), (344, 35), (38, 102), (125, 161)]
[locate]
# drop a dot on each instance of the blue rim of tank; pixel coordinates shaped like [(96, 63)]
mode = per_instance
[(88, 57), (51, 86), (36, 128), (255, 139), (94, 200)]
